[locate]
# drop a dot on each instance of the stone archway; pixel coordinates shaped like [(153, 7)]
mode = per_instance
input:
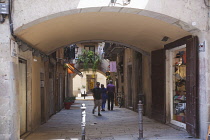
[(88, 80), (142, 29)]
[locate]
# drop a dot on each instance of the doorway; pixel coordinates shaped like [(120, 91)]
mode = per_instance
[(91, 80), (23, 95), (182, 83), (177, 71)]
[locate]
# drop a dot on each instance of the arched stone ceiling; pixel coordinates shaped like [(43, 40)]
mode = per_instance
[(140, 31)]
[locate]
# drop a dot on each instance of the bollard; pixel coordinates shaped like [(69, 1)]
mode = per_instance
[(140, 111), (84, 94), (83, 121)]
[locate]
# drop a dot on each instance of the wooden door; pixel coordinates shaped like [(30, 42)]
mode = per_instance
[(192, 87), (42, 94), (51, 92), (158, 85), (23, 95), (130, 87)]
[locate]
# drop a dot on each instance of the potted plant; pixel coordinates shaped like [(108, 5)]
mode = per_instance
[(68, 102), (89, 59), (73, 98)]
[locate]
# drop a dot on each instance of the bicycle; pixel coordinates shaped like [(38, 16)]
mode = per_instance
[(120, 100)]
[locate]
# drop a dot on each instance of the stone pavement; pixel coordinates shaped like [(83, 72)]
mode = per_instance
[(120, 124)]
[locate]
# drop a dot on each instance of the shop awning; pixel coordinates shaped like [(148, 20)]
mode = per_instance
[(73, 69)]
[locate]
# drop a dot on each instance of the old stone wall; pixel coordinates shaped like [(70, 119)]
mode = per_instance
[(9, 87), (204, 80)]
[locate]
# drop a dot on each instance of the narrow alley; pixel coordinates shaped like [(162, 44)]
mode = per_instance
[(119, 124)]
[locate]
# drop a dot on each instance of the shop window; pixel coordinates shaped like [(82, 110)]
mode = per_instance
[(179, 85)]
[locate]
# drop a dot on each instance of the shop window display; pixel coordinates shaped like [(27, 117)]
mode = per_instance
[(179, 82)]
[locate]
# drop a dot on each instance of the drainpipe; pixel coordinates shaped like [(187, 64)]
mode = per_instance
[(10, 19), (3, 19)]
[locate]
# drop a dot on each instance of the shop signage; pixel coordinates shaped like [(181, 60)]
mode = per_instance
[(4, 8), (113, 67)]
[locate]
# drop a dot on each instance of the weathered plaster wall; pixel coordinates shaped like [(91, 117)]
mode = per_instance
[(186, 11), (9, 117)]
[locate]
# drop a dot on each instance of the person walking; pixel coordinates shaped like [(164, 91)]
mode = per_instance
[(110, 91), (104, 97), (97, 95)]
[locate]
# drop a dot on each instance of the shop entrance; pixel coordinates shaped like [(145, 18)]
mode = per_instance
[(175, 82), (182, 84), (177, 70)]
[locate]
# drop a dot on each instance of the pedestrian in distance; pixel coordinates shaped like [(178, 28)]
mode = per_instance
[(104, 97), (111, 91), (97, 95)]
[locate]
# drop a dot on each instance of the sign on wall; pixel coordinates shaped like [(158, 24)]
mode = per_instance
[(113, 67), (13, 48)]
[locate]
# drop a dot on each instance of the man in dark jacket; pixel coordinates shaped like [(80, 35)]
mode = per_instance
[(111, 90), (97, 98)]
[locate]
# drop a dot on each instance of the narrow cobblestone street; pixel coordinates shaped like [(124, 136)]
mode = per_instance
[(120, 124)]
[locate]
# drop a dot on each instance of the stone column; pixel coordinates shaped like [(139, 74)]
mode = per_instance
[(9, 116)]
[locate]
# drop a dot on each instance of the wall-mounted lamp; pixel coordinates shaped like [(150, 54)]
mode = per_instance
[(165, 38)]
